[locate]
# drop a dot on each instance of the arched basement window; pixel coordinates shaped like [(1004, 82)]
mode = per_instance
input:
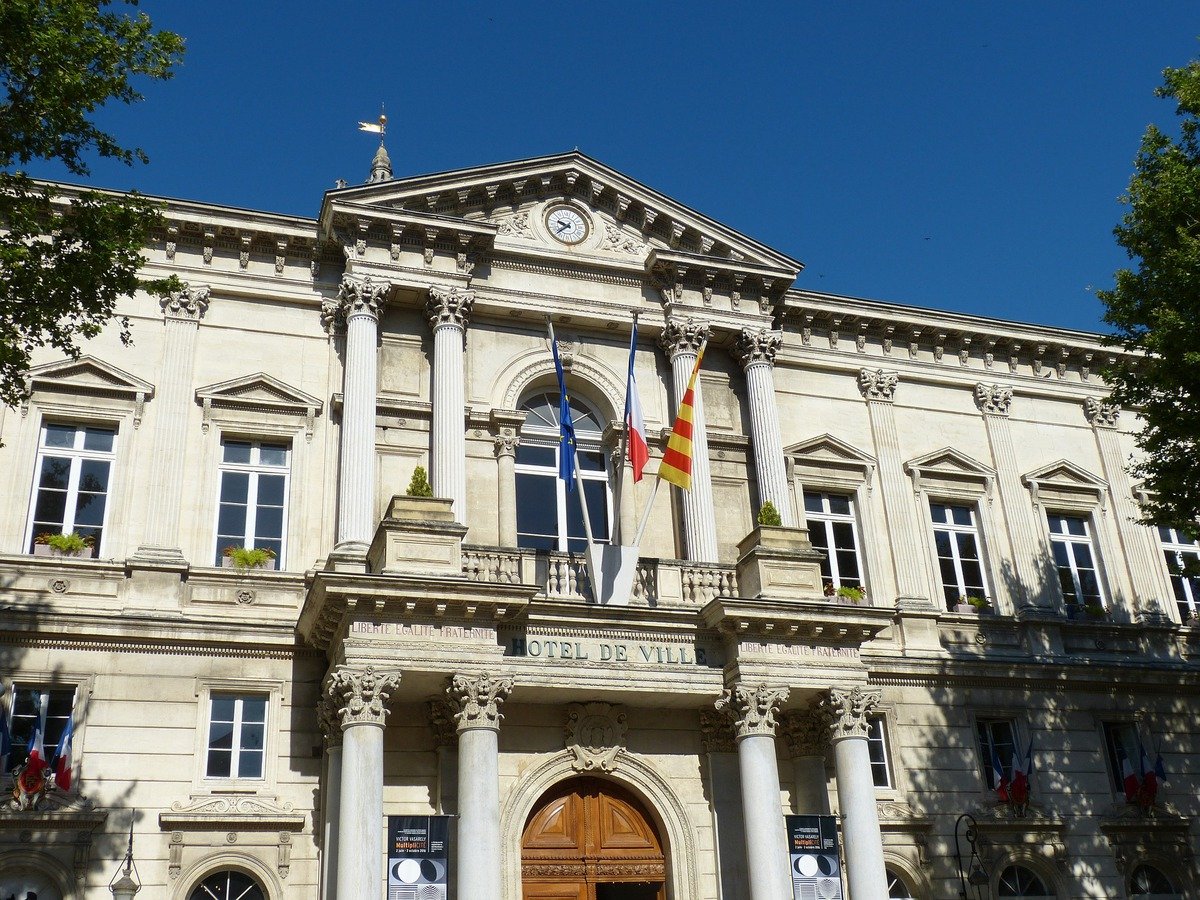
[(898, 889), (1018, 881), (228, 885), (1147, 881), (548, 516)]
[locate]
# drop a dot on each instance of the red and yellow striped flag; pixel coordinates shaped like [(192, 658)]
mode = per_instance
[(676, 465)]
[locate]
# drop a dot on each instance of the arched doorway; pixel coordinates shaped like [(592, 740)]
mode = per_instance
[(589, 839)]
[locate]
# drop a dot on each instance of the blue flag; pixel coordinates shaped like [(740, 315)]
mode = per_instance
[(566, 428)]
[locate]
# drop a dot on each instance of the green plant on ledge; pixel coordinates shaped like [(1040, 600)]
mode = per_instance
[(853, 594), (248, 557), (982, 604), (419, 485), (769, 515), (69, 544), (1095, 611)]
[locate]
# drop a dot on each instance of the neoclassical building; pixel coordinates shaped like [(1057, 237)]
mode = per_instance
[(266, 648)]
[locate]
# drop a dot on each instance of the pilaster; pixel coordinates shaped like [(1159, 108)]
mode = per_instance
[(506, 430), (449, 311), (756, 349)]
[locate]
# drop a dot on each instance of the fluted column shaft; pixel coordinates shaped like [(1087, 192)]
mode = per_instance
[(449, 311), (754, 712), (756, 349), (849, 713), (331, 794), (682, 341), (477, 699)]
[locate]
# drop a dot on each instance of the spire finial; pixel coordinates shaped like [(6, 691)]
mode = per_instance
[(381, 165)]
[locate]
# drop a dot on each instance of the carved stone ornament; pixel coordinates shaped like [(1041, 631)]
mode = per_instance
[(1101, 413), (758, 345), (449, 306), (477, 699), (805, 732), (849, 711), (595, 736), (516, 225), (877, 384), (361, 696), (753, 708), (993, 399), (441, 721), (506, 444), (329, 721), (716, 730), (617, 240), (31, 784), (186, 303), (684, 336), (362, 296)]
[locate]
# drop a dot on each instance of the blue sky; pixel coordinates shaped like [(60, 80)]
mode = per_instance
[(964, 156)]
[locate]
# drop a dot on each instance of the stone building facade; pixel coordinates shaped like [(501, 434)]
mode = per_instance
[(445, 656)]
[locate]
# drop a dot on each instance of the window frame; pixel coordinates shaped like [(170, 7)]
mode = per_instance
[(826, 518), (1116, 781), (237, 747), (975, 530), (878, 722), (253, 470), (1189, 585), (275, 692), (985, 720), (77, 454), (81, 685), (1090, 540)]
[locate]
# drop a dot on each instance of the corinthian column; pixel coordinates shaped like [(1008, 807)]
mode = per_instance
[(849, 713), (756, 350), (681, 340), (330, 721), (182, 311), (361, 698), (477, 700), (753, 710), (449, 310), (359, 303)]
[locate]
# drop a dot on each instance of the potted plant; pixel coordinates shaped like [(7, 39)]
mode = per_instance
[(1095, 612), (248, 557), (851, 596), (70, 544), (971, 604), (419, 485), (769, 515)]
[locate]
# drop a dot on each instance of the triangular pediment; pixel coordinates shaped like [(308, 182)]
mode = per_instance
[(949, 461), (88, 375), (1065, 474), (624, 218), (258, 390), (826, 448)]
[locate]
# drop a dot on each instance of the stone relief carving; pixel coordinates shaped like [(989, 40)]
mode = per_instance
[(683, 336), (716, 730), (848, 712), (238, 806), (449, 306), (993, 399), (516, 225), (805, 731), (477, 699), (329, 721), (186, 303), (595, 735), (364, 295), (618, 241), (1100, 413), (753, 708), (361, 695), (758, 346), (877, 384), (442, 721), (506, 444)]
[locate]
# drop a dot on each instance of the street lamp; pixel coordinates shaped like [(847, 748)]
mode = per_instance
[(976, 875), (126, 882)]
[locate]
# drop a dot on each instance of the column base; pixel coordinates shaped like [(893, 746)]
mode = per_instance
[(150, 556), (348, 556)]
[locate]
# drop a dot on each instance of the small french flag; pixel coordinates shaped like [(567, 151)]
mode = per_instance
[(37, 750), (1128, 777), (639, 450), (62, 758), (998, 776)]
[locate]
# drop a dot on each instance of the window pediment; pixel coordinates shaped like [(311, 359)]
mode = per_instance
[(1063, 483), (259, 393), (826, 459), (89, 377), (950, 471)]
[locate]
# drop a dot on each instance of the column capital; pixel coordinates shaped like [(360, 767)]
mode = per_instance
[(757, 346), (477, 700), (441, 720), (361, 695), (506, 424), (357, 296), (848, 711), (1100, 412), (753, 708), (449, 306), (716, 730), (188, 303), (805, 732), (993, 399), (329, 721), (878, 385), (683, 336)]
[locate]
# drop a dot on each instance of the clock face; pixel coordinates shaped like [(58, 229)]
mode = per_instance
[(566, 225)]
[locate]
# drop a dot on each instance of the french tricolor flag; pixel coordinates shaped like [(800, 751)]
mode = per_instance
[(62, 758), (639, 450), (1022, 768), (37, 751), (998, 775), (1128, 777)]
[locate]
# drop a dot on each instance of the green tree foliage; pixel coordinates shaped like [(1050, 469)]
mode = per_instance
[(1155, 309), (66, 258)]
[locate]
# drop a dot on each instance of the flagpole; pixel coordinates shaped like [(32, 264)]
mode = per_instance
[(637, 539), (587, 522)]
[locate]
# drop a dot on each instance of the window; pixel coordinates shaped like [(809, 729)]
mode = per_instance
[(252, 510), (548, 516), (897, 888), (1018, 881), (831, 529), (237, 732), (1121, 742), (47, 708), (881, 774), (1183, 565), (956, 537), (73, 471), (997, 738), (1147, 881), (228, 885), (1075, 559)]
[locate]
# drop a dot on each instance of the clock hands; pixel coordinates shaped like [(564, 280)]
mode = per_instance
[(564, 225)]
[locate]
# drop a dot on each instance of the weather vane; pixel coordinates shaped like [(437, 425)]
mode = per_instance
[(379, 128)]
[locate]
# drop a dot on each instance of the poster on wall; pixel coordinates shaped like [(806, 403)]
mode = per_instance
[(814, 862), (418, 866)]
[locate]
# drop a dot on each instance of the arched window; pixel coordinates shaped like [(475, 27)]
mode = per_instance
[(1018, 881), (549, 517), (898, 888), (28, 884), (228, 885), (1147, 881)]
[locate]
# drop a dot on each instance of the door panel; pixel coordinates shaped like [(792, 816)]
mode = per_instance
[(537, 891)]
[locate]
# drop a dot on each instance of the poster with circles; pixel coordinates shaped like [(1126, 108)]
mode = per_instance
[(815, 863), (418, 857)]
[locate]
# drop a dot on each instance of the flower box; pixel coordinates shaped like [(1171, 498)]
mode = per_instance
[(47, 550), (228, 563)]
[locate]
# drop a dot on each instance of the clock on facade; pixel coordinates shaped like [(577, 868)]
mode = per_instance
[(566, 224)]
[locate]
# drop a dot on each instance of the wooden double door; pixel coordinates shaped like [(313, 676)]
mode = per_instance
[(588, 839)]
